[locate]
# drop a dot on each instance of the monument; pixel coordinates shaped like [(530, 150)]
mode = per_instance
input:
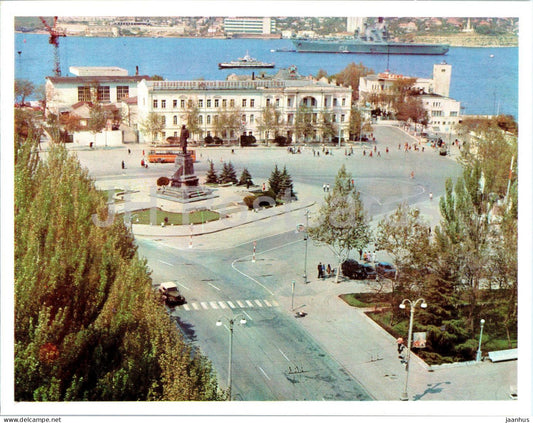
[(184, 185)]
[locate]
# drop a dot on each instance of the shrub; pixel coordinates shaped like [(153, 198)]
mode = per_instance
[(163, 181), (209, 139)]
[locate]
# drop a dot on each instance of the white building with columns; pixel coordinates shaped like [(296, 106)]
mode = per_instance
[(287, 91)]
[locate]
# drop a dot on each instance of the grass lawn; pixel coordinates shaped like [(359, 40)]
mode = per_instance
[(142, 217)]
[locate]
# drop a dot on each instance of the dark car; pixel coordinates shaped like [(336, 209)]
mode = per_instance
[(370, 272), (386, 270), (353, 270)]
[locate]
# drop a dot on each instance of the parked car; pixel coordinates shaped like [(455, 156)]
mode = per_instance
[(355, 270), (170, 294), (352, 269), (386, 270)]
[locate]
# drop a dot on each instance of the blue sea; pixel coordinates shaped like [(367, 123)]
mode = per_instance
[(483, 84)]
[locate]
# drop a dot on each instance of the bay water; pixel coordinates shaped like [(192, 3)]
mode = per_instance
[(484, 80)]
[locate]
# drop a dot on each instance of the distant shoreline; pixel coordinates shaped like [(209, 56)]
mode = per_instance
[(452, 40)]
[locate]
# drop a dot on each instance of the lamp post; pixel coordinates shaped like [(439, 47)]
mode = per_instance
[(231, 322), (405, 396), (306, 236), (478, 354), (292, 302)]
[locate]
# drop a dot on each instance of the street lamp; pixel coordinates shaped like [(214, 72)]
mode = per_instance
[(292, 302), (306, 236), (405, 396), (478, 354), (231, 322)]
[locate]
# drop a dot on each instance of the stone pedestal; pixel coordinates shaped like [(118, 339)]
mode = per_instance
[(184, 175)]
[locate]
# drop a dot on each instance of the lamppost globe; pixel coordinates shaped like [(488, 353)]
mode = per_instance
[(242, 321), (402, 306), (482, 321), (219, 323), (423, 305)]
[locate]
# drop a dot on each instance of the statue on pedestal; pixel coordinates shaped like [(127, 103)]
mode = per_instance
[(184, 135)]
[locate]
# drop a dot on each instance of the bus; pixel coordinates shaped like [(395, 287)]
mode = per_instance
[(166, 154)]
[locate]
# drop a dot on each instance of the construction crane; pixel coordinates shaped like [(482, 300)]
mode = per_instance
[(55, 32)]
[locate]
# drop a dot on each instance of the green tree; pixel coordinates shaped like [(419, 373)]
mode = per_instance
[(246, 178), (211, 176), (152, 125), (228, 174), (342, 222), (275, 181), (286, 191), (327, 127), (193, 119), (356, 122), (270, 122), (303, 122), (97, 118)]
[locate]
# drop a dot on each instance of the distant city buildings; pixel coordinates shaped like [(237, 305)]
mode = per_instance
[(249, 25)]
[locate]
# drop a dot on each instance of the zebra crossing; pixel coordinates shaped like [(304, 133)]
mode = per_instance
[(229, 305)]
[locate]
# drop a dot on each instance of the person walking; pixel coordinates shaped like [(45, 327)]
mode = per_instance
[(328, 269), (123, 165), (319, 268), (430, 196)]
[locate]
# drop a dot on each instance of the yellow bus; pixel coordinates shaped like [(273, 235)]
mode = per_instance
[(166, 154)]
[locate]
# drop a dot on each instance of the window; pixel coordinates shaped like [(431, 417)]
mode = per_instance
[(175, 134), (252, 118), (334, 102), (334, 118), (182, 104), (209, 103), (268, 102), (216, 119), (163, 134), (453, 113), (200, 103), (342, 118), (277, 102), (84, 93), (232, 103), (224, 103), (243, 118), (252, 102), (208, 119), (164, 120), (163, 104), (174, 103), (216, 102), (288, 102), (155, 104), (175, 120), (123, 91), (325, 102), (200, 119), (290, 118), (189, 103), (103, 93), (243, 102), (344, 101)]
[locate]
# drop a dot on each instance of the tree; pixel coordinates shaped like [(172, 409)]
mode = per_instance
[(350, 75), (97, 118), (275, 181), (286, 186), (321, 74), (87, 324), (327, 127), (211, 176), (412, 108), (405, 236), (227, 121), (303, 122), (23, 89), (193, 121), (152, 125), (246, 178), (342, 223), (228, 174), (356, 121), (270, 122)]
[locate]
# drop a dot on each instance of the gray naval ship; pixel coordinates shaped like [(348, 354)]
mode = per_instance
[(372, 40)]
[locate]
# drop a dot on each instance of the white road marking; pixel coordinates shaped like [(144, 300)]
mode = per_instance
[(267, 303), (186, 307), (222, 304), (249, 303), (183, 286), (249, 317), (258, 303), (264, 373), (231, 304), (241, 305), (276, 304), (209, 283), (204, 305), (286, 358), (164, 262), (213, 305), (195, 306)]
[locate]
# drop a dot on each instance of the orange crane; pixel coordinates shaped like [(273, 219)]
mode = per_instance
[(55, 32)]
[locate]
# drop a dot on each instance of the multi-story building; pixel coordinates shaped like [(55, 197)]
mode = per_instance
[(286, 91), (249, 25), (443, 112), (108, 85)]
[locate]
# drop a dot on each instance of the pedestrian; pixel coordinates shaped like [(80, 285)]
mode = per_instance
[(370, 153), (422, 149), (329, 270), (375, 148), (143, 152), (123, 165), (379, 153), (360, 254), (399, 146), (412, 174), (364, 152), (142, 162), (324, 187), (129, 151), (319, 268), (387, 150), (327, 187), (431, 196)]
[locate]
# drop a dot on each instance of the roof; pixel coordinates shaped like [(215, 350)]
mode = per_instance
[(96, 79)]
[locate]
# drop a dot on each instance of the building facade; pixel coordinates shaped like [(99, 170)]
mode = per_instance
[(443, 112), (249, 25), (174, 100)]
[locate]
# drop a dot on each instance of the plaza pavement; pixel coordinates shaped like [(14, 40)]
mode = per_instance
[(358, 344)]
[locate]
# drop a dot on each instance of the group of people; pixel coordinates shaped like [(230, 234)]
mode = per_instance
[(324, 270), (144, 163)]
